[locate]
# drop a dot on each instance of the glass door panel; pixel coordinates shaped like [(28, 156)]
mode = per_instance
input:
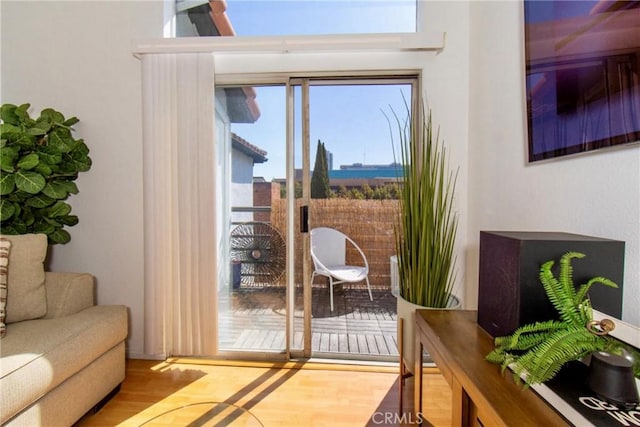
[(354, 187), (252, 298)]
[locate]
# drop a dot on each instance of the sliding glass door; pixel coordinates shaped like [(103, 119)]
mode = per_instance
[(277, 139)]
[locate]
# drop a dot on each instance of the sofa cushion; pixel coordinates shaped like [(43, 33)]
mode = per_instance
[(26, 295), (38, 355), (5, 246)]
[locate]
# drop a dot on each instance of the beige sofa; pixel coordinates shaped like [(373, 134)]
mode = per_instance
[(56, 367)]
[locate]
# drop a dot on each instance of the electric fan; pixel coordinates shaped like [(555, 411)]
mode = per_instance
[(260, 250)]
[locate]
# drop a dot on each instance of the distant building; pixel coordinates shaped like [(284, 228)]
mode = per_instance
[(329, 159), (357, 174), (360, 166), (243, 156)]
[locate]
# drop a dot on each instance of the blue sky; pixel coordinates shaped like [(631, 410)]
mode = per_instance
[(267, 17), (348, 119)]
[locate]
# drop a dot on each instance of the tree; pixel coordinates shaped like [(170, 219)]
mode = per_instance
[(343, 192), (320, 188), (367, 191)]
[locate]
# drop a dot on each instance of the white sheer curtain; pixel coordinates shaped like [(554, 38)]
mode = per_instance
[(179, 204)]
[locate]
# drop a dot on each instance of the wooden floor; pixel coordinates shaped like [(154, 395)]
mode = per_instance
[(253, 319), (267, 394)]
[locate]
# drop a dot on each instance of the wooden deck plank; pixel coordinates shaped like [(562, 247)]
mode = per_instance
[(381, 344), (324, 342), (353, 344), (343, 343), (362, 344), (244, 324), (372, 344)]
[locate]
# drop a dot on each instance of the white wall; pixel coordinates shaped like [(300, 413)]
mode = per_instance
[(596, 194), (446, 80), (76, 57)]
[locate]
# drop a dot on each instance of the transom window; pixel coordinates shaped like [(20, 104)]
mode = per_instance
[(287, 17)]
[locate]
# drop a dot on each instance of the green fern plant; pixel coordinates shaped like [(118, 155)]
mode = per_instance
[(537, 352)]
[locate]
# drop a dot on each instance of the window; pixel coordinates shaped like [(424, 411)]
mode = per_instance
[(281, 17)]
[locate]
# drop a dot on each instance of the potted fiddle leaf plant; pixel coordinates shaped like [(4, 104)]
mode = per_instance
[(40, 160), (426, 227)]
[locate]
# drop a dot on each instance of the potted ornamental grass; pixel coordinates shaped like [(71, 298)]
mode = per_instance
[(426, 227)]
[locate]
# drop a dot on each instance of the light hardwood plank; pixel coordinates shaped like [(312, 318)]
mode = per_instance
[(276, 394)]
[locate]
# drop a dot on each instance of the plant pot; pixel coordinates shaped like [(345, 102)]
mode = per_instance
[(406, 311)]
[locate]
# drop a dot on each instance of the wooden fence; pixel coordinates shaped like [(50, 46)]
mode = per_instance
[(369, 223)]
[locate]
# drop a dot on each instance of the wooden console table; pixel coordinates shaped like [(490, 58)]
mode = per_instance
[(481, 393)]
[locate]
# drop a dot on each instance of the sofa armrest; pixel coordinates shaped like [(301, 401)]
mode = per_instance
[(68, 293)]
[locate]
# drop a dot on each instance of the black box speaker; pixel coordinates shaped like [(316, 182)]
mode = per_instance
[(510, 293)]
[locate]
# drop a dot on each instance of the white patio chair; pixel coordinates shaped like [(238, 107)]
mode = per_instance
[(328, 250)]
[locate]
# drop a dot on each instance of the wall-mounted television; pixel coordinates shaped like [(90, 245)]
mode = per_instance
[(582, 75)]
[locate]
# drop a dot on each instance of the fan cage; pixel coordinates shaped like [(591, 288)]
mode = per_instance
[(258, 255)]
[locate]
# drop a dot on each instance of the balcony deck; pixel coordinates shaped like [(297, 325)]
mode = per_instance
[(254, 320)]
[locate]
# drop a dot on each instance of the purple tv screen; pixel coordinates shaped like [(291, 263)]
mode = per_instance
[(582, 75)]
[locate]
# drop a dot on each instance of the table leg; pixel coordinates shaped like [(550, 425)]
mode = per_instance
[(400, 336), (464, 412), (417, 374)]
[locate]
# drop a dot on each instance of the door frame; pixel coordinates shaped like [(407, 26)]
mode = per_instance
[(305, 80)]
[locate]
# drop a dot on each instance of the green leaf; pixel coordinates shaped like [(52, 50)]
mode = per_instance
[(70, 187), (80, 148), (59, 209), (29, 161), (43, 169), (53, 116), (19, 228), (82, 164), (6, 210), (18, 196), (8, 114), (50, 155), (18, 209), (39, 201), (7, 129), (44, 228), (6, 164), (30, 182), (40, 128), (22, 112), (7, 183), (69, 220), (9, 229), (23, 140), (55, 190), (8, 155), (53, 222), (61, 139), (60, 236), (71, 121)]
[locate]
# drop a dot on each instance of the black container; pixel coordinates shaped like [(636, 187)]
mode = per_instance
[(510, 293), (611, 379)]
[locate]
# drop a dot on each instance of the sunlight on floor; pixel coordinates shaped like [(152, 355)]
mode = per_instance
[(268, 394)]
